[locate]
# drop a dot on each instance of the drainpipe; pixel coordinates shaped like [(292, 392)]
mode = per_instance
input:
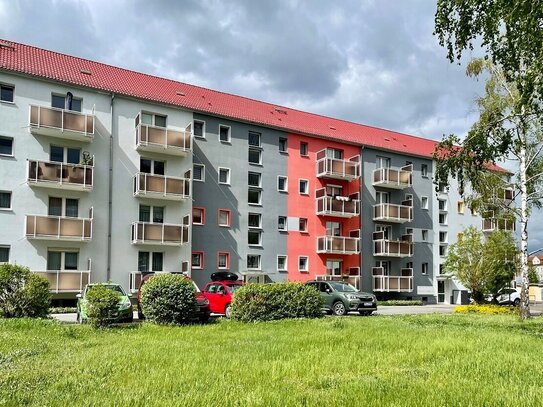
[(110, 191)]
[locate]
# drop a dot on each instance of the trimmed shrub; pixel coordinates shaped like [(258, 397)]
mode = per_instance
[(23, 293), (485, 309), (169, 299), (399, 302), (102, 305), (268, 302)]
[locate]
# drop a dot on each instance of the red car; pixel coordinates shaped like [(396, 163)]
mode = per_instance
[(219, 293)]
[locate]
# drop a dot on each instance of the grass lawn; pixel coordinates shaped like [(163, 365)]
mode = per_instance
[(425, 360)]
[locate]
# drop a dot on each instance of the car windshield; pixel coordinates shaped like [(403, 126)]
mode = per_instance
[(114, 287), (343, 287), (195, 286), (234, 287)]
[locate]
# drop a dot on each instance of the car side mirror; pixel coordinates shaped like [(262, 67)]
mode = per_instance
[(328, 291), (78, 295)]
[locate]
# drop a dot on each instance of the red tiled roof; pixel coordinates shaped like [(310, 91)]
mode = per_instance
[(82, 72)]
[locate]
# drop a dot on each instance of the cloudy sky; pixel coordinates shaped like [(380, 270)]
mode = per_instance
[(370, 61)]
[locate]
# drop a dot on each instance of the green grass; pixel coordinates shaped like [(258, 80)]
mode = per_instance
[(428, 360)]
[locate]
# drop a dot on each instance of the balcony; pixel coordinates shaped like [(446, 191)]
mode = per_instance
[(353, 280), (162, 139), (334, 168), (392, 248), (338, 245), (393, 213), (161, 187), (495, 224), (66, 281), (506, 194), (393, 178), (62, 228), (159, 234), (51, 174), (397, 284), (66, 124), (337, 206)]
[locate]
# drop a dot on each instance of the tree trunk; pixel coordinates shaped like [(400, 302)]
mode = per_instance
[(524, 295)]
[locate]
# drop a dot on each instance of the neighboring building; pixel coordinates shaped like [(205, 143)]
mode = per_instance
[(106, 174)]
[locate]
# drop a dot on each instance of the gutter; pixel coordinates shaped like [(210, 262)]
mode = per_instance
[(110, 192)]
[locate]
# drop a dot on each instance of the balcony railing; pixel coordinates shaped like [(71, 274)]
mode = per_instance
[(161, 187), (163, 140), (354, 280), (51, 121), (386, 283), (52, 174), (394, 213), (136, 278), (58, 228), (327, 167), (495, 224), (392, 248), (66, 281), (338, 206), (506, 194), (159, 234), (338, 245), (393, 178)]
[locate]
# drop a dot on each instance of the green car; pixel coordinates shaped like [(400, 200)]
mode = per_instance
[(341, 297), (124, 313)]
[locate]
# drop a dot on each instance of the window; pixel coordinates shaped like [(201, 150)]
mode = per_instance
[(334, 153), (224, 176), (62, 260), (153, 119), (254, 139), (254, 197), (282, 183), (224, 217), (255, 156), (334, 229), (442, 250), (424, 170), (255, 220), (303, 263), (63, 102), (460, 207), (442, 204), (442, 237), (150, 261), (255, 179), (282, 223), (441, 269), (198, 216), (382, 197), (303, 187), (63, 207), (199, 172), (223, 260), (281, 263), (334, 267), (424, 202), (442, 188), (442, 218), (5, 200), (254, 237), (6, 93), (64, 155), (424, 268), (224, 134), (283, 146), (199, 129), (303, 149), (152, 166), (253, 262), (4, 254), (383, 162), (424, 235), (156, 213), (6, 146), (303, 225), (197, 260)]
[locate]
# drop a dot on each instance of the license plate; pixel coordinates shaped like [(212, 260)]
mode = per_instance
[(368, 304)]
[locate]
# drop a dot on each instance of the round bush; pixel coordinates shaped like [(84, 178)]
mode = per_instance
[(169, 299), (268, 302), (102, 305), (22, 293)]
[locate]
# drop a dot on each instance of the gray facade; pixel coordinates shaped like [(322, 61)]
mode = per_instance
[(210, 238)]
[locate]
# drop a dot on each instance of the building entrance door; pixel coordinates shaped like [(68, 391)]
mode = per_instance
[(441, 292)]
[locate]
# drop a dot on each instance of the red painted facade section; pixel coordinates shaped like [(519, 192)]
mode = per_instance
[(304, 206)]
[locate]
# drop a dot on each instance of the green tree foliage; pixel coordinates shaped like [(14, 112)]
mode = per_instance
[(483, 265), (533, 278), (102, 305), (22, 293)]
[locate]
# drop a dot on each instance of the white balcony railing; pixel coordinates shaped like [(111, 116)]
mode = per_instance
[(51, 174), (338, 245), (354, 280), (387, 283), (162, 139), (58, 227), (66, 281), (393, 213), (161, 187), (159, 234), (385, 247), (338, 206), (335, 168), (495, 224), (393, 178), (68, 124)]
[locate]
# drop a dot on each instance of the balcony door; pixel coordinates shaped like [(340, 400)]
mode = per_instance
[(65, 155), (334, 267), (385, 265), (150, 261), (63, 207), (382, 197), (333, 229), (386, 229), (334, 153), (382, 162)]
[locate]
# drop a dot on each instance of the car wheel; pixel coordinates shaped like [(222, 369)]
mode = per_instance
[(339, 308), (204, 318), (228, 311), (365, 313), (516, 303)]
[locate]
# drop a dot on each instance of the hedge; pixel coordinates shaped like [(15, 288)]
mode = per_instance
[(102, 305)]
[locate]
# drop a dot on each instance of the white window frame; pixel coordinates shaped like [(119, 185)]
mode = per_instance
[(259, 221), (203, 172), (259, 196), (424, 199), (63, 252), (259, 139), (259, 179), (424, 269), (154, 117), (306, 149), (286, 145), (424, 170), (285, 178), (6, 246), (203, 128), (460, 204), (307, 186), (228, 173), (446, 240), (423, 233), (445, 206), (12, 146), (306, 269), (259, 231), (446, 215), (224, 126), (259, 151), (10, 200), (259, 267), (286, 224), (8, 85), (227, 257), (282, 256), (201, 256)]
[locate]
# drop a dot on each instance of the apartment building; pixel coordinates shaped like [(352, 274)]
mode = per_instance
[(107, 174)]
